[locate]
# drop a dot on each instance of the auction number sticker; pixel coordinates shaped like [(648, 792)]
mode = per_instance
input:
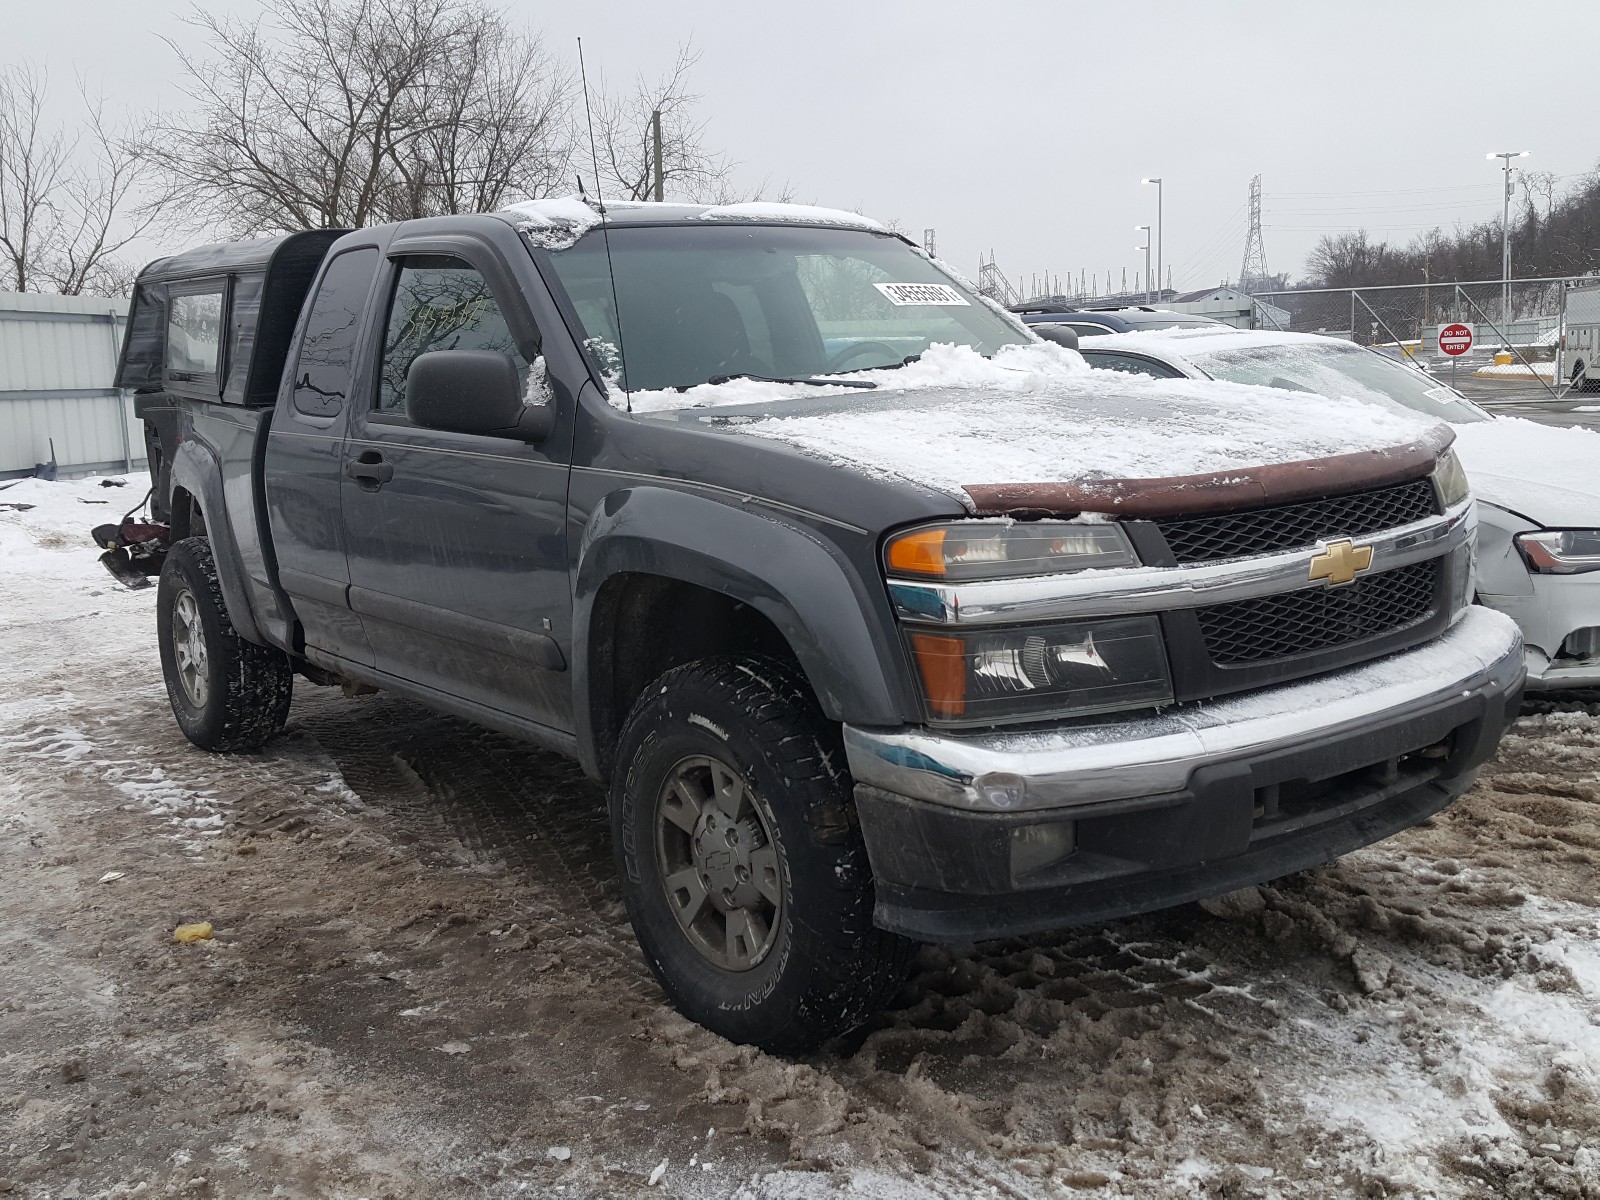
[(922, 293)]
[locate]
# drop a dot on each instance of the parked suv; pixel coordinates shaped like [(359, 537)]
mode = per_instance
[(880, 620)]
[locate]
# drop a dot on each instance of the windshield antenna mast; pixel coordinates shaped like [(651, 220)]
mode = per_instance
[(605, 230)]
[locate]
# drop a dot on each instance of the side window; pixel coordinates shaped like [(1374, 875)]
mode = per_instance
[(440, 303), (1089, 330), (1129, 364), (327, 348), (194, 333)]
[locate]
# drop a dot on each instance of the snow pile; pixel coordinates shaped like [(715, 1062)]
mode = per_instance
[(766, 211), (1540, 472), (1037, 414)]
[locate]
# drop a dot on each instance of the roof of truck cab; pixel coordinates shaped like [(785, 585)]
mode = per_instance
[(582, 212), (220, 258)]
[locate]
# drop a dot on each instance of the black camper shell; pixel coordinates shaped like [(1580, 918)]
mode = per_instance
[(214, 323)]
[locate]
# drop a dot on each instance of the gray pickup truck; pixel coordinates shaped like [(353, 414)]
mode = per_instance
[(881, 620)]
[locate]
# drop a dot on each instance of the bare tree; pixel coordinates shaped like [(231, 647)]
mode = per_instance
[(625, 144), (68, 204), (328, 113), (1546, 185)]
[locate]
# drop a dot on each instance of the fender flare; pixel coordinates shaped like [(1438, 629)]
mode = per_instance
[(784, 571), (196, 470)]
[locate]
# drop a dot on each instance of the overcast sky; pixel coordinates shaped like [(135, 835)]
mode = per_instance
[(1026, 129)]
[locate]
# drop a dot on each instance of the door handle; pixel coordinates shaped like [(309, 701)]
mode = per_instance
[(370, 471)]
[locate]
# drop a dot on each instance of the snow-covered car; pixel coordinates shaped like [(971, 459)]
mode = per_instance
[(1538, 496)]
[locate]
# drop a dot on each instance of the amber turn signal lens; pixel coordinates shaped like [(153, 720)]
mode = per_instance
[(943, 665), (920, 552)]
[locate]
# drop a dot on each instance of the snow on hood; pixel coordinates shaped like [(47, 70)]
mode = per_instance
[(1037, 413), (1549, 475)]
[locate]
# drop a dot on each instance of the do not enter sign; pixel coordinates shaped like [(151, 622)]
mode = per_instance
[(1455, 340)]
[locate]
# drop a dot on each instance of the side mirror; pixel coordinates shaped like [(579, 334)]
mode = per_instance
[(1061, 335), (474, 391)]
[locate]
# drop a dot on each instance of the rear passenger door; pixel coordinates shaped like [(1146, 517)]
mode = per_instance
[(305, 455), (457, 542)]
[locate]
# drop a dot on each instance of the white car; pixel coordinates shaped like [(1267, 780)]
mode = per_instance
[(1538, 487)]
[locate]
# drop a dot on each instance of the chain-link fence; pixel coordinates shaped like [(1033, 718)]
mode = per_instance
[(1517, 325)]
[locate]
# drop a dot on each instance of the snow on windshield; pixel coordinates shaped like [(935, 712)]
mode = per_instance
[(1038, 414)]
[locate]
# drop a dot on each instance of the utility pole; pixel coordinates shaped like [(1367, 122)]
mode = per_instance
[(1145, 229), (1505, 234), (930, 243), (655, 136), (1161, 238)]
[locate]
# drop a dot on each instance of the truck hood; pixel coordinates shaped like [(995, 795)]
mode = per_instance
[(1536, 471), (1036, 428)]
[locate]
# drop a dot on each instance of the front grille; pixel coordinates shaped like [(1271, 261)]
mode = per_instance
[(1286, 526), (1253, 631)]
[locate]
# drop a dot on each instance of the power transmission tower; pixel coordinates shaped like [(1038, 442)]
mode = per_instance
[(1254, 272), (930, 243), (993, 284)]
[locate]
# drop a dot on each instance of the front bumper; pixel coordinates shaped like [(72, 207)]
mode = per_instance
[(1178, 806), (1554, 607)]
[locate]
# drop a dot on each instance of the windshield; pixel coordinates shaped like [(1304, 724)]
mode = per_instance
[(1340, 369), (700, 303)]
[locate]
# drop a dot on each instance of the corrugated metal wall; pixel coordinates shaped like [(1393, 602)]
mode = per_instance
[(58, 356)]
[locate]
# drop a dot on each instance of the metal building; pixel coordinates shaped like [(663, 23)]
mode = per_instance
[(58, 356)]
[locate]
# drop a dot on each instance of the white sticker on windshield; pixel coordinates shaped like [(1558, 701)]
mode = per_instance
[(922, 293)]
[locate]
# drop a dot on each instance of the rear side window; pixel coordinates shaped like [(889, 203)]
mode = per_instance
[(194, 336), (1130, 364), (327, 347), (440, 303)]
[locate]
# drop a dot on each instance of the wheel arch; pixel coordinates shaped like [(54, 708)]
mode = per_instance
[(199, 510), (666, 576)]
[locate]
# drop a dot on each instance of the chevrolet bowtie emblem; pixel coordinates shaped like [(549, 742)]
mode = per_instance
[(1341, 562)]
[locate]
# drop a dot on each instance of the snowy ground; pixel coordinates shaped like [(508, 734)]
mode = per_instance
[(422, 983)]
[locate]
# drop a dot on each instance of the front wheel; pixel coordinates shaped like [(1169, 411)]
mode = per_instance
[(742, 864), (226, 693)]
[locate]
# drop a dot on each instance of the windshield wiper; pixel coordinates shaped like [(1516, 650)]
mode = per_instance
[(855, 383)]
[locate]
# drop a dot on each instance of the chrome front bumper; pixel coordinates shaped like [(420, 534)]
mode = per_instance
[(1023, 771)]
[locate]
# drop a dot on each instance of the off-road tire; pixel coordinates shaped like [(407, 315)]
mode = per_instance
[(246, 686), (828, 967)]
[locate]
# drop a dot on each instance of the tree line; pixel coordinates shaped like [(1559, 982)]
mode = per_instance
[(331, 114), (1555, 231)]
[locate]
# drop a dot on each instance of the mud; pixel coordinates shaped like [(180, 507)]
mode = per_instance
[(421, 982)]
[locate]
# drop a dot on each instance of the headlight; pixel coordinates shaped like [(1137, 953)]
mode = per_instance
[(1561, 551), (1450, 481), (967, 550), (1030, 672)]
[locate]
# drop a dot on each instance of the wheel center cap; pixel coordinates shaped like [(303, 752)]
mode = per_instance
[(721, 848)]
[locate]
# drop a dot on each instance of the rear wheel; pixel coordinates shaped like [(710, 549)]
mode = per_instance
[(226, 693), (742, 865)]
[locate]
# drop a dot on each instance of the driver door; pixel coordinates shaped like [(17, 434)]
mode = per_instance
[(457, 542)]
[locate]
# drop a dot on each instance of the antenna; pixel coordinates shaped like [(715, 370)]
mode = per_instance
[(605, 227)]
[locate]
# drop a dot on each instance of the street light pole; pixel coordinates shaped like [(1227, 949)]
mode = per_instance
[(1161, 237), (1505, 233), (1145, 229)]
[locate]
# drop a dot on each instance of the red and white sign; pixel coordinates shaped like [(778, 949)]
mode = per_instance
[(1455, 340)]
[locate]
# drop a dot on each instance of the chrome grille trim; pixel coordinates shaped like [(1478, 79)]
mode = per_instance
[(1131, 590)]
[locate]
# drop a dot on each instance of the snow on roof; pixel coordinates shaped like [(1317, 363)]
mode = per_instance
[(555, 223), (1037, 413), (804, 214), (558, 222)]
